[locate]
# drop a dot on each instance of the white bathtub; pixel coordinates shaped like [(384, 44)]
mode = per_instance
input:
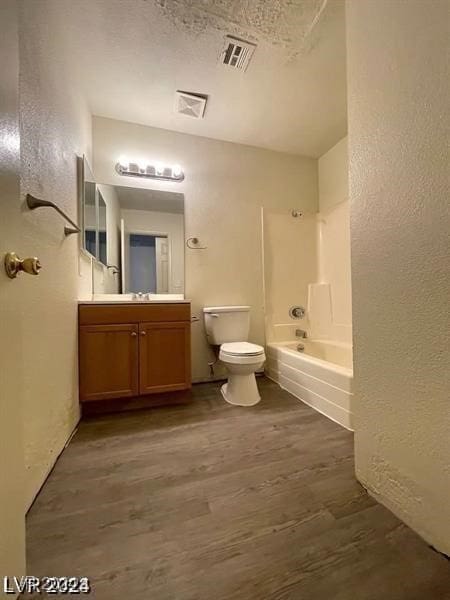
[(321, 375)]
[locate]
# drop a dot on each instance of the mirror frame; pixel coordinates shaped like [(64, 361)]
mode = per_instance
[(98, 195), (83, 164)]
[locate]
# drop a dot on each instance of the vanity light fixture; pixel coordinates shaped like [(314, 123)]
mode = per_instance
[(155, 170)]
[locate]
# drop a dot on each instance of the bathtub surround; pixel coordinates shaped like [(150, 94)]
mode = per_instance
[(290, 265), (332, 307), (316, 248), (398, 110), (225, 186), (307, 263), (55, 127)]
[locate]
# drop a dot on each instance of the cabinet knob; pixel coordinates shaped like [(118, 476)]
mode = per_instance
[(133, 334), (143, 333)]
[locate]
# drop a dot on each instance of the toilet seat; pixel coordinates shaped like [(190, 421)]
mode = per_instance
[(242, 353), (241, 349)]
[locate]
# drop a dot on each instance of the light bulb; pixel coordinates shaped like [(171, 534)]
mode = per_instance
[(142, 164), (123, 162), (176, 170), (159, 168)]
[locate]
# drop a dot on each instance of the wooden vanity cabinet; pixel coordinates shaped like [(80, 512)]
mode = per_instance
[(133, 350), (163, 352), (109, 358)]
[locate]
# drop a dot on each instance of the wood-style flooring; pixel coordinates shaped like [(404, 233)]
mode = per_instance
[(207, 501)]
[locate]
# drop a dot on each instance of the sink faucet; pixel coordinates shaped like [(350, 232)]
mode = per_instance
[(301, 333)]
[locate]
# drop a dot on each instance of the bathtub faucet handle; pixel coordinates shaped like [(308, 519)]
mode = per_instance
[(301, 333)]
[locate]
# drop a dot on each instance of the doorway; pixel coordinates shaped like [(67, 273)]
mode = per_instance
[(149, 263)]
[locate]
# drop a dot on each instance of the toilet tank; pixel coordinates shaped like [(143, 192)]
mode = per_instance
[(226, 324)]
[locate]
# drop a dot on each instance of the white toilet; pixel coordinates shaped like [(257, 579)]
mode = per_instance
[(228, 327)]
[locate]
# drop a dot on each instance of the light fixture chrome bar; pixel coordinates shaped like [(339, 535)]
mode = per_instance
[(149, 172)]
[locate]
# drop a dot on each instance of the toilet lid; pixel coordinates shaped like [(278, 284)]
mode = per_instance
[(241, 349)]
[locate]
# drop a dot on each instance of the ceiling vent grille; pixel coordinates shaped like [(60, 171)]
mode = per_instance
[(191, 105), (236, 53)]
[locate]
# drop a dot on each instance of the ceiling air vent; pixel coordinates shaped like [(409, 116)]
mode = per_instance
[(236, 53), (191, 105)]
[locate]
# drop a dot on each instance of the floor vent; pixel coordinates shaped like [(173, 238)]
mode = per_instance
[(236, 53), (191, 105)]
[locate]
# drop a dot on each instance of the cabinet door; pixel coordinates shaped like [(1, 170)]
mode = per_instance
[(108, 361), (164, 357)]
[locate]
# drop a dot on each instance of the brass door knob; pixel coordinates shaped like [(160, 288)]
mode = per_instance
[(14, 264), (133, 334), (143, 333)]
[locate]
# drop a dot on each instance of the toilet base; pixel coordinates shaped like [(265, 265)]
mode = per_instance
[(241, 390)]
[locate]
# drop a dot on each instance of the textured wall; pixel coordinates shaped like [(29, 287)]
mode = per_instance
[(398, 116), (333, 176), (226, 185), (55, 126), (334, 238)]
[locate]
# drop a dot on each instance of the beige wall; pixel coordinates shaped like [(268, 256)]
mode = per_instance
[(334, 241), (398, 111), (226, 185), (55, 127)]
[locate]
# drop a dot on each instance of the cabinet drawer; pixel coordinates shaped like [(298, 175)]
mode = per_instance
[(109, 314)]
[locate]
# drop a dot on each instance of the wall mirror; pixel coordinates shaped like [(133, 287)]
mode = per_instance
[(144, 240), (151, 241), (102, 231), (136, 236), (89, 210)]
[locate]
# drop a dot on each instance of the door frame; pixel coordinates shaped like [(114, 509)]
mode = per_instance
[(135, 231), (12, 227)]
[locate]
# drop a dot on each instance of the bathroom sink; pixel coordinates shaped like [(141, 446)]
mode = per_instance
[(112, 297), (165, 297)]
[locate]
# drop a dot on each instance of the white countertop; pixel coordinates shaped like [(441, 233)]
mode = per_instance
[(134, 302), (128, 299)]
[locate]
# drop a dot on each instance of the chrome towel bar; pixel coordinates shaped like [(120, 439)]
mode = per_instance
[(33, 203)]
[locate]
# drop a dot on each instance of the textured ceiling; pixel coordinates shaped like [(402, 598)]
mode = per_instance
[(286, 23), (132, 55)]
